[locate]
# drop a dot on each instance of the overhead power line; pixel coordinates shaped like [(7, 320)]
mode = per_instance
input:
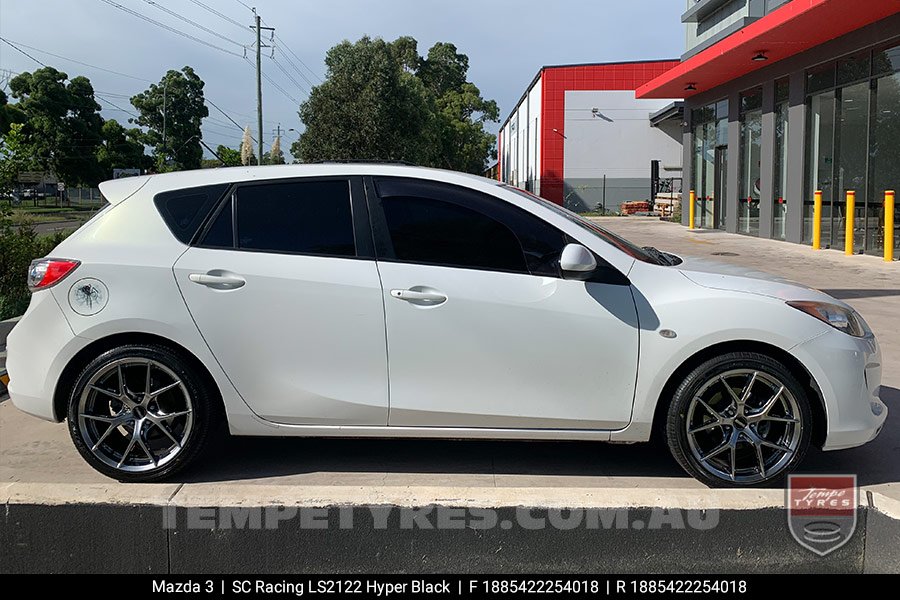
[(169, 28), (217, 13), (227, 116), (287, 59), (300, 60), (274, 84), (289, 76), (14, 47), (115, 106), (77, 62), (181, 17), (104, 96)]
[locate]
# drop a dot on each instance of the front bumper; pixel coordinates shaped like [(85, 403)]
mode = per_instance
[(847, 371), (39, 347)]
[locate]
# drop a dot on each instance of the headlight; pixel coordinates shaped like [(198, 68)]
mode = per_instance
[(839, 317)]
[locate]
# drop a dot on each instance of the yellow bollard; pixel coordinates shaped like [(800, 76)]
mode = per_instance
[(888, 225), (849, 217), (692, 198), (817, 221)]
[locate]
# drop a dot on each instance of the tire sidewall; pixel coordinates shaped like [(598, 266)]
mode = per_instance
[(676, 430), (200, 406)]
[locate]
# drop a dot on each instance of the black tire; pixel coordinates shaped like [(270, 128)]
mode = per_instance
[(201, 403), (702, 379)]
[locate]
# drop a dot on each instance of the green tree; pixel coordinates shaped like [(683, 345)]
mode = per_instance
[(19, 245), (9, 113), (369, 107), (459, 141), (16, 155), (172, 112), (384, 101), (63, 123), (230, 158), (121, 149)]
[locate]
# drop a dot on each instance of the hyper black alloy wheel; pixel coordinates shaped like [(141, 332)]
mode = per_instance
[(740, 419), (139, 413)]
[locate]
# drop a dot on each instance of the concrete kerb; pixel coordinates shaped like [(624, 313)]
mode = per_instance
[(750, 534)]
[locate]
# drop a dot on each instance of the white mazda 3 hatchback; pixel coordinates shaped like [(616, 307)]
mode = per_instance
[(384, 300)]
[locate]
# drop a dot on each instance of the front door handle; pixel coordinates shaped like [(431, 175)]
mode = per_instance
[(217, 280), (429, 297)]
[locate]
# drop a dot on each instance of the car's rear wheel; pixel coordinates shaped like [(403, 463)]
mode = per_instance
[(140, 413), (740, 419)]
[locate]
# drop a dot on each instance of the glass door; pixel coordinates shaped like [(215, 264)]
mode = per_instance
[(721, 182), (851, 173), (820, 146)]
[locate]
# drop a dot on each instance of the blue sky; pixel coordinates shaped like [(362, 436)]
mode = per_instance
[(506, 43)]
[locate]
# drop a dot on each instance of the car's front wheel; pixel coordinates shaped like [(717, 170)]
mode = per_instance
[(139, 413), (739, 419)]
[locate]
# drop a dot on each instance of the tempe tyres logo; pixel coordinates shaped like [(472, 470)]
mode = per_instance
[(822, 510)]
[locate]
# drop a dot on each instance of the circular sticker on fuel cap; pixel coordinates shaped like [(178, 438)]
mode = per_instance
[(88, 296)]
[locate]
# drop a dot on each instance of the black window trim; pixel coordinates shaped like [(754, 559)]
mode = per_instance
[(211, 218), (359, 214), (224, 191)]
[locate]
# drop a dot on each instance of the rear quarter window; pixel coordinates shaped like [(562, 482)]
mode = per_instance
[(185, 210)]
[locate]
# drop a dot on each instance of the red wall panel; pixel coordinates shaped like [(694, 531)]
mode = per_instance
[(555, 82)]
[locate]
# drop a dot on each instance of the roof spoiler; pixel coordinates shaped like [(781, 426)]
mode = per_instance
[(117, 190)]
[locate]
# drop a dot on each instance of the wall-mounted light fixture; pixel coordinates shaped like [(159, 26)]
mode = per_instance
[(555, 130), (760, 56), (690, 87)]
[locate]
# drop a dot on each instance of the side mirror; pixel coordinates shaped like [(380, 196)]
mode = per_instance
[(576, 260)]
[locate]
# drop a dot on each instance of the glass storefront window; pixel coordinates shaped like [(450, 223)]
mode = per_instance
[(710, 132), (851, 172), (780, 207), (884, 152), (820, 78), (749, 183), (886, 61), (853, 68), (853, 139), (820, 163)]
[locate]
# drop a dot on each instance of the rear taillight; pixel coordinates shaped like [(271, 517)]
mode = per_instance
[(46, 272)]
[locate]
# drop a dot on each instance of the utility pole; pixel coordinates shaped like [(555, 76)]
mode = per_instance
[(277, 131), (259, 106), (165, 145)]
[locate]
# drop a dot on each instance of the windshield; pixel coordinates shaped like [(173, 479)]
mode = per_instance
[(619, 242)]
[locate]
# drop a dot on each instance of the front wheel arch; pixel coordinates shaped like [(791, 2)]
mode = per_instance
[(800, 373), (84, 356)]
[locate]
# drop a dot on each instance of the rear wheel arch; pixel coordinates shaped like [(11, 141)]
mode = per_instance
[(803, 376), (73, 369)]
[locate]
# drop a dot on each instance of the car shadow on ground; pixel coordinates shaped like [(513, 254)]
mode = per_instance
[(850, 294), (331, 460)]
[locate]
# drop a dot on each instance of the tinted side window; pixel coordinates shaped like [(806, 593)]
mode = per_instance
[(221, 231), (438, 223), (431, 231), (310, 217), (185, 210)]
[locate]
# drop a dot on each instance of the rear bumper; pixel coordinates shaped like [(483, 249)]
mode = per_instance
[(38, 348), (847, 371)]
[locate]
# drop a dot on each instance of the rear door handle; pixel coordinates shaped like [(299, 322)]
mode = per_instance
[(217, 281), (417, 296)]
